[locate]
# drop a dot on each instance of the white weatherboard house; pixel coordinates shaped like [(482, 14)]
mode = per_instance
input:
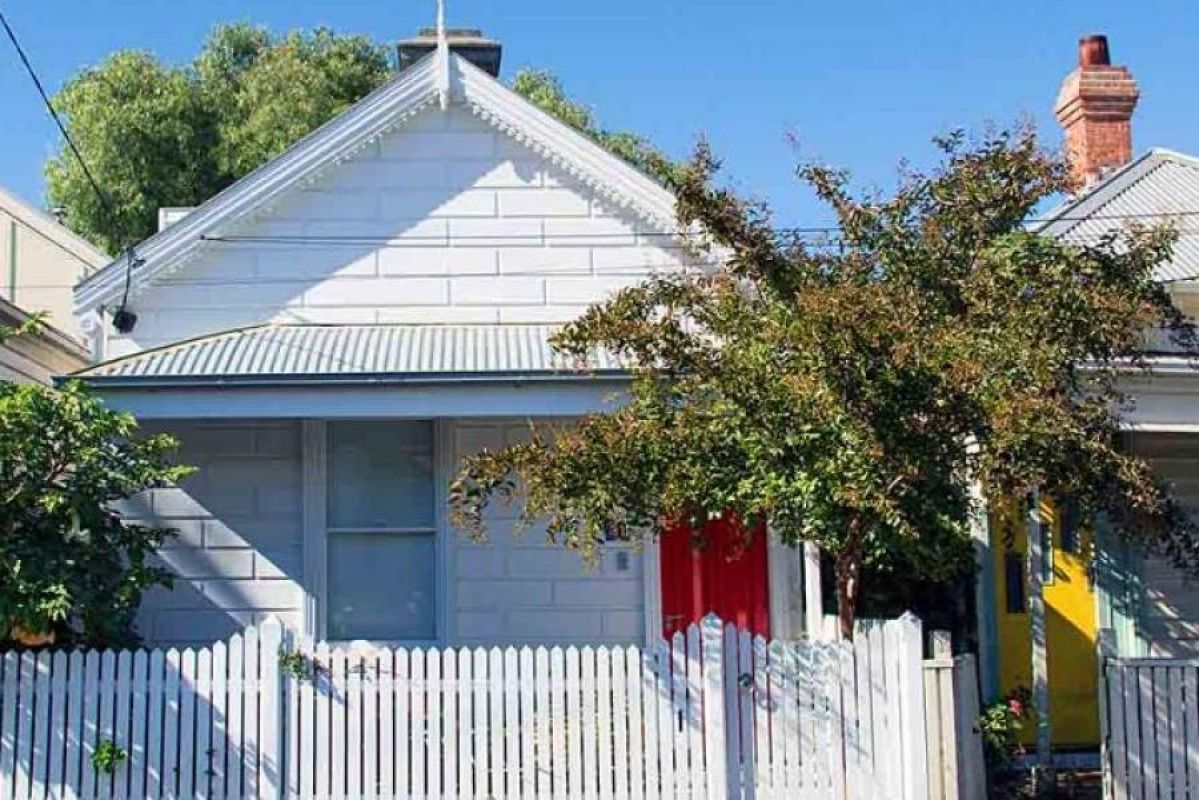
[(329, 335)]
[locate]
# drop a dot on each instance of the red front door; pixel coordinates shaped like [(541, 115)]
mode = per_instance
[(716, 572)]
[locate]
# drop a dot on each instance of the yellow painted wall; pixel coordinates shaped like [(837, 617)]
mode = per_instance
[(44, 270), (1069, 620)]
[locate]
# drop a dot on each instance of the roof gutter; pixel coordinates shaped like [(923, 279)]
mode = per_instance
[(15, 316), (338, 379), (1163, 365)]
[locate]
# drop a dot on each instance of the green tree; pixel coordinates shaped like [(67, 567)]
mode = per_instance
[(849, 396), (69, 564), (157, 135), (24, 328), (544, 90), (291, 87), (148, 138)]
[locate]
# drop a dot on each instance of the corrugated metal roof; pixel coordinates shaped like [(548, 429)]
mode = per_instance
[(287, 353), (1158, 184)]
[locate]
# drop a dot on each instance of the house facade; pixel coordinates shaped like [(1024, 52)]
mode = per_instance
[(329, 337), (1088, 580), (40, 262)]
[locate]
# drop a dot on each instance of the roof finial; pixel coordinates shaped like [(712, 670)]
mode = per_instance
[(443, 59)]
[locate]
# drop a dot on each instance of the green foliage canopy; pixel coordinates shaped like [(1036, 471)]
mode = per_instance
[(849, 396), (158, 135), (69, 564), (545, 90)]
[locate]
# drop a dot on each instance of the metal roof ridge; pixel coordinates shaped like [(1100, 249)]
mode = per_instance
[(1176, 155)]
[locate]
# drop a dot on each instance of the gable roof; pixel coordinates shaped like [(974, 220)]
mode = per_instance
[(51, 229), (1151, 189), (380, 112), (274, 353)]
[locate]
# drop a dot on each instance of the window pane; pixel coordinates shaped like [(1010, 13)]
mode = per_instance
[(1013, 579), (381, 586), (381, 474), (1070, 539)]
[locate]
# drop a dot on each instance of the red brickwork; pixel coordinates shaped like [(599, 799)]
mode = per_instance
[(1095, 108)]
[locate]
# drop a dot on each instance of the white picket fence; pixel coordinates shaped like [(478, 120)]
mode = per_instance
[(1150, 716), (190, 723), (714, 713)]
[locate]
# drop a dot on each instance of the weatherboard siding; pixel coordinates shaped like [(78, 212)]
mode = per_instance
[(239, 553), (40, 262), (479, 228), (516, 587)]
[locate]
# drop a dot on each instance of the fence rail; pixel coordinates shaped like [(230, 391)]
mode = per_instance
[(713, 713)]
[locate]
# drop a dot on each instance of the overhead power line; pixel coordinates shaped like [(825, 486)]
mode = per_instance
[(41, 90), (123, 320), (824, 237), (833, 233)]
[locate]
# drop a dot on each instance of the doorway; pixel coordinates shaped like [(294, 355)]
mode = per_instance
[(717, 569)]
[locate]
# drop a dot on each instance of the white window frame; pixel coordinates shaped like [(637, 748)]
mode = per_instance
[(316, 532)]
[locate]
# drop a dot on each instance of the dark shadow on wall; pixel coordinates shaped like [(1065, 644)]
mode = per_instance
[(237, 556)]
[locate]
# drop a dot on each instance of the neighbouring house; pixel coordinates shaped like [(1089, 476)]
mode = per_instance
[(41, 262), (329, 335), (1090, 580)]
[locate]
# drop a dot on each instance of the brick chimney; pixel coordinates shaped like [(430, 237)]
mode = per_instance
[(1095, 108)]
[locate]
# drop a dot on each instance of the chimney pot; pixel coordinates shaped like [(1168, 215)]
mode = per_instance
[(1093, 52)]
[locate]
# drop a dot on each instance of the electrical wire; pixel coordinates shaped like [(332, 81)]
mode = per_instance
[(105, 200), (831, 232), (41, 90), (400, 241)]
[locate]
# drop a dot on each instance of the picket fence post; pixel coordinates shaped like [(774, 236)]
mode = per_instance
[(720, 777), (1106, 646), (914, 745), (972, 767), (270, 742)]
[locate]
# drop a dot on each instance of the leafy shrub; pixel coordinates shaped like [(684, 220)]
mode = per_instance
[(70, 567)]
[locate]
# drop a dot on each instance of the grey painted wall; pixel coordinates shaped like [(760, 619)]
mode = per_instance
[(519, 588), (1168, 619), (238, 554)]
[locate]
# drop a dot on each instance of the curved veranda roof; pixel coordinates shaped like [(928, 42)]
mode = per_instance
[(283, 353)]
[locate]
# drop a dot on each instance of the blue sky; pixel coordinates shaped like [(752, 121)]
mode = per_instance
[(857, 83)]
